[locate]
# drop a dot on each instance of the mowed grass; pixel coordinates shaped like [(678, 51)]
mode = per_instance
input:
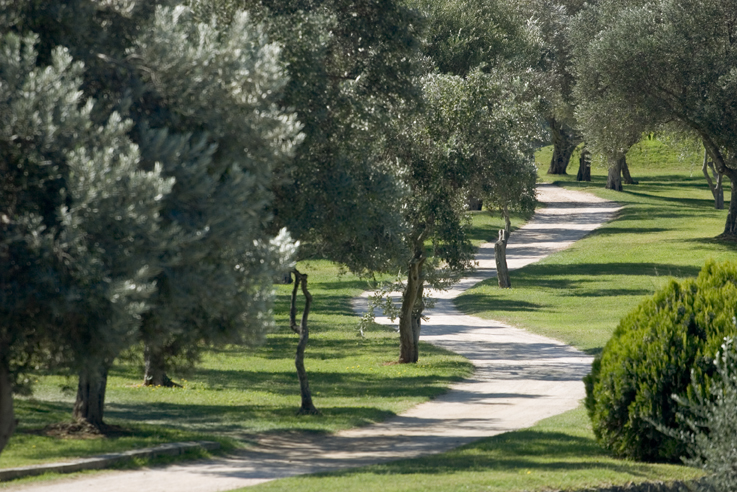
[(665, 230), (558, 453), (237, 393)]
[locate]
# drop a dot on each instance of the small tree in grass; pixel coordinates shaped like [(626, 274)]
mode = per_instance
[(468, 139), (350, 63), (223, 136)]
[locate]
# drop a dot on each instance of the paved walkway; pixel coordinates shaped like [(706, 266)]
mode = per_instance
[(520, 378)]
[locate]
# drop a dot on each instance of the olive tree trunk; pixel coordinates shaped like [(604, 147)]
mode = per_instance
[(90, 403), (410, 317), (720, 164), (730, 228), (500, 254), (300, 280), (8, 422), (614, 176), (155, 368), (717, 190), (626, 172), (564, 143), (584, 166)]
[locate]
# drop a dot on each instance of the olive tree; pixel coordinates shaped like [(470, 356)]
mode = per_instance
[(350, 64), (649, 63), (467, 139), (205, 116), (81, 229)]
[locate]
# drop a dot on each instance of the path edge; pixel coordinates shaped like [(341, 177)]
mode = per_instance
[(106, 460)]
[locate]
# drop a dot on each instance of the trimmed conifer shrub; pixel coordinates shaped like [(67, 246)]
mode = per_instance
[(665, 347)]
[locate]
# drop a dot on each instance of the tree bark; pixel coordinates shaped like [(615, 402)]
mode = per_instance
[(155, 368), (564, 143), (717, 191), (417, 318), (90, 403), (475, 203), (8, 422), (584, 166), (730, 228), (614, 176), (500, 253), (300, 280), (626, 172), (720, 164), (410, 315)]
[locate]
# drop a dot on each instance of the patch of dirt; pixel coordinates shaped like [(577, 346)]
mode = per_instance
[(80, 430)]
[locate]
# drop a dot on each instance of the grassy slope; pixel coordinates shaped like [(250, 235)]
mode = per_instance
[(238, 392)]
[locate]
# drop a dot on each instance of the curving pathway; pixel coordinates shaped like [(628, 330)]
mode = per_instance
[(520, 378)]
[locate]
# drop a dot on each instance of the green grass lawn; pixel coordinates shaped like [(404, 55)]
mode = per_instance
[(237, 393), (559, 453), (665, 230)]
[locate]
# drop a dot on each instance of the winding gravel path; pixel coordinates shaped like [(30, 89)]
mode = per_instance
[(520, 378)]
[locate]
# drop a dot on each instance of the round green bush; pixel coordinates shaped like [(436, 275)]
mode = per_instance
[(654, 353)]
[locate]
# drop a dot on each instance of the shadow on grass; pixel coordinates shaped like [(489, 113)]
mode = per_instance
[(229, 419), (521, 450), (478, 303), (538, 274), (330, 384)]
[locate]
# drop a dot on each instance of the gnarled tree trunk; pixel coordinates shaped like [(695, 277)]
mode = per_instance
[(300, 280), (410, 316), (730, 228), (564, 143), (717, 190), (614, 176), (500, 253), (155, 367), (584, 166), (90, 403), (8, 422), (626, 172)]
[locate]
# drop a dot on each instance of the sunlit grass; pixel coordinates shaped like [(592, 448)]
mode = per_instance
[(236, 393), (665, 230), (559, 453)]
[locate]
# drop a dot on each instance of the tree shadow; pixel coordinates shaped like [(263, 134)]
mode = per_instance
[(521, 450)]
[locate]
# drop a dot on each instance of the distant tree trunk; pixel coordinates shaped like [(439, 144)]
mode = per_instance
[(411, 312), (300, 280), (475, 204), (614, 176), (500, 253), (8, 422), (730, 228), (155, 368), (417, 318), (626, 172), (717, 190), (584, 166), (564, 143), (90, 403)]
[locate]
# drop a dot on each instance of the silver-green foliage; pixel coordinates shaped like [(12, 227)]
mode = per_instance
[(224, 137), (81, 229), (713, 436)]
